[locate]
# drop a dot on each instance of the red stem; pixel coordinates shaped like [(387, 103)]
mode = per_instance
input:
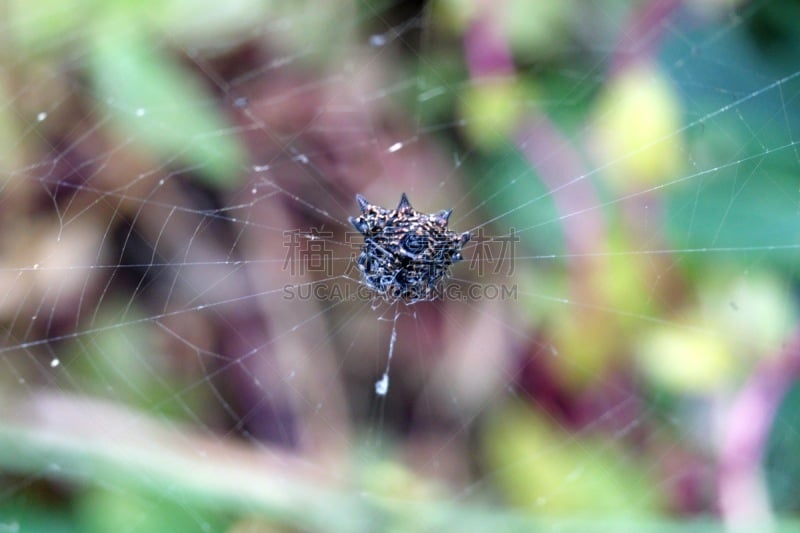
[(742, 495)]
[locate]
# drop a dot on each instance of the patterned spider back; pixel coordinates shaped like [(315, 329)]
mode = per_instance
[(406, 254)]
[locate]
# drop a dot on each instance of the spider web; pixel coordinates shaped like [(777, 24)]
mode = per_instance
[(188, 344)]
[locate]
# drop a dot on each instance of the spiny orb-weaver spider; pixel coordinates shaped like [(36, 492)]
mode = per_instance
[(406, 254)]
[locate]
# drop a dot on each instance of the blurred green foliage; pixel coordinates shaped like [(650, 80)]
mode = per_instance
[(541, 466), (504, 178), (111, 510), (781, 460), (142, 90), (145, 95)]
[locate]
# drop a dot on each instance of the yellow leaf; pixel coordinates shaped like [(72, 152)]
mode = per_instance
[(637, 129)]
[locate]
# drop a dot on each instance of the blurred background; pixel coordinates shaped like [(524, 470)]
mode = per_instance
[(186, 343)]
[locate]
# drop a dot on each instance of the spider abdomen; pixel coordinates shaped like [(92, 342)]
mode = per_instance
[(406, 254)]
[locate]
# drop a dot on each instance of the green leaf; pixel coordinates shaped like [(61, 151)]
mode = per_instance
[(42, 26), (781, 460), (741, 189), (520, 200), (33, 511), (751, 219), (121, 359), (155, 103), (543, 469), (121, 510)]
